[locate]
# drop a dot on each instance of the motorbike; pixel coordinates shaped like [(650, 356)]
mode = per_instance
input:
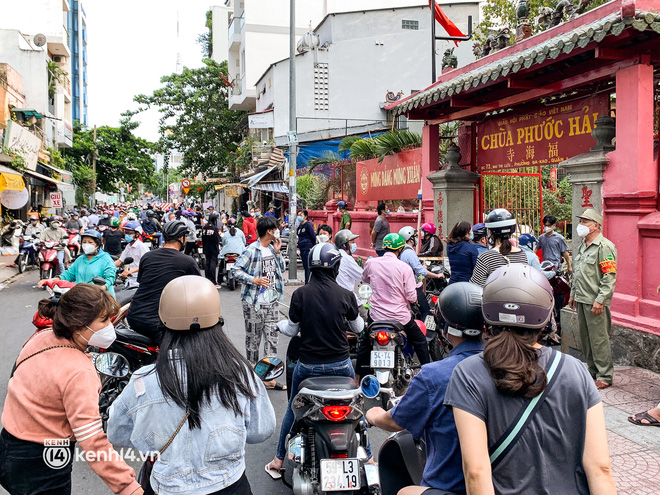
[(48, 263), (326, 448), (230, 261), (74, 243), (439, 347), (27, 256), (119, 279), (149, 240), (198, 254)]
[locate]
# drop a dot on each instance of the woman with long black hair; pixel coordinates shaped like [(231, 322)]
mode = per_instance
[(530, 419), (199, 404), (461, 252)]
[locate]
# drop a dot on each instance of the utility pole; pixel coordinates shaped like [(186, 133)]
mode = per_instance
[(293, 146), (434, 76)]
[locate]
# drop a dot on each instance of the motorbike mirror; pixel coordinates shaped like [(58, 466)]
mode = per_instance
[(269, 368), (112, 364), (98, 281), (365, 291), (128, 261), (270, 296), (370, 387)]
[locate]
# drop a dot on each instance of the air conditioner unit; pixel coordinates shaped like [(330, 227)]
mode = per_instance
[(58, 59)]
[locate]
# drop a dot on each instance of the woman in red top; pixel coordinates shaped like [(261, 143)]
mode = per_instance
[(249, 228)]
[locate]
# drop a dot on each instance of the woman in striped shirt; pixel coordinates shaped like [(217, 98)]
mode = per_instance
[(501, 225)]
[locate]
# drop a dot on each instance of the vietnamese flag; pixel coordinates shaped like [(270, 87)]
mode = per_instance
[(446, 22)]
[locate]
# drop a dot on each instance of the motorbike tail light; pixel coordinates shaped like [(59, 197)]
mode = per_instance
[(339, 456), (200, 243), (336, 413), (382, 338)]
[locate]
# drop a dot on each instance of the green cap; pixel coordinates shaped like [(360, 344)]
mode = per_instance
[(393, 242)]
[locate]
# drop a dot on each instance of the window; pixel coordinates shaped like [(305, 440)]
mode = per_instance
[(321, 92), (406, 24)]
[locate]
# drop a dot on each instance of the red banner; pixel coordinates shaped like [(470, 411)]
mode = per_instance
[(397, 177), (539, 136)]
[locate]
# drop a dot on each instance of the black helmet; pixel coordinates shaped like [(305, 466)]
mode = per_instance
[(460, 305), (150, 214), (501, 222), (344, 237), (517, 295), (213, 216), (324, 256), (175, 230)]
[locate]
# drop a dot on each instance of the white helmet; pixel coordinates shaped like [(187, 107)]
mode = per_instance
[(407, 233), (131, 216)]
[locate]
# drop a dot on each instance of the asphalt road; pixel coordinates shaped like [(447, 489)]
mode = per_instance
[(18, 302)]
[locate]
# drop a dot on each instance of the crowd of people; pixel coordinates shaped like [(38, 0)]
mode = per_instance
[(201, 402)]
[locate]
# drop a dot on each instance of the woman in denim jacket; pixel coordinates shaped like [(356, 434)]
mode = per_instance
[(200, 376)]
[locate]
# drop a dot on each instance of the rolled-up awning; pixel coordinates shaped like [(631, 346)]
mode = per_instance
[(43, 177), (272, 187), (11, 179), (254, 179)]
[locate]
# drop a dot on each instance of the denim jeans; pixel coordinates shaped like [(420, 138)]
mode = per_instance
[(24, 471), (304, 257), (159, 236), (60, 262), (302, 371)]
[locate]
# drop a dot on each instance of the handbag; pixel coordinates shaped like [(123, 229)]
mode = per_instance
[(144, 476), (506, 442)]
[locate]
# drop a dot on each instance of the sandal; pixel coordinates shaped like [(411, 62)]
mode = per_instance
[(638, 419), (272, 472), (277, 386)]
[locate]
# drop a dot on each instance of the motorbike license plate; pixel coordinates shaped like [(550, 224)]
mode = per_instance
[(429, 322), (382, 359), (340, 475)]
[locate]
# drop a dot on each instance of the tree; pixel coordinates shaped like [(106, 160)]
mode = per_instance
[(121, 158), (195, 119), (498, 14)]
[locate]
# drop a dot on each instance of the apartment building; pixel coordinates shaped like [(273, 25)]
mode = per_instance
[(77, 27)]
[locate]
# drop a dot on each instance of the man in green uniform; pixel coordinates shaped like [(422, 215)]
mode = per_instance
[(594, 276), (345, 216)]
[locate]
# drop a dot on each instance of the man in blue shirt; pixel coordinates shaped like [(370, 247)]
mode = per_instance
[(421, 409), (480, 237), (409, 256)]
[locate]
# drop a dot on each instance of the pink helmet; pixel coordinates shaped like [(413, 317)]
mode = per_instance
[(429, 227)]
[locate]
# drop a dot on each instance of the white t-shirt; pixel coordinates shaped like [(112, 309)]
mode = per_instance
[(135, 250), (349, 273), (268, 270)]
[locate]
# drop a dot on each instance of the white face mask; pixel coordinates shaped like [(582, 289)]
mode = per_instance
[(583, 230), (102, 338), (547, 230), (324, 238), (276, 234), (88, 248)]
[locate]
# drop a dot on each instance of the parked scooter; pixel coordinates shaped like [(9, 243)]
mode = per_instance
[(326, 449), (27, 256), (48, 263), (230, 261)]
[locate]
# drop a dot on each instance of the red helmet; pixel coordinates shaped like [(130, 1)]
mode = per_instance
[(429, 227), (421, 326)]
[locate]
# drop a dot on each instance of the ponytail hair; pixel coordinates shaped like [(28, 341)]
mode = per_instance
[(513, 362), (505, 243)]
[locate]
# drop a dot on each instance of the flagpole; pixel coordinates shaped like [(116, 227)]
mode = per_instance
[(433, 68)]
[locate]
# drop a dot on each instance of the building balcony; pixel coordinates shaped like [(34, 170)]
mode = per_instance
[(58, 45), (235, 31), (64, 135)]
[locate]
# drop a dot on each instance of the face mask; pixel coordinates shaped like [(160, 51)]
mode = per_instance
[(300, 219), (33, 222), (547, 230), (88, 248), (102, 338), (353, 248), (257, 215), (55, 225), (105, 216), (276, 234), (472, 235), (388, 212), (583, 230), (128, 238), (324, 238)]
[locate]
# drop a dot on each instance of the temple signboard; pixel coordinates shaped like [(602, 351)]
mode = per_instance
[(539, 136), (396, 177)]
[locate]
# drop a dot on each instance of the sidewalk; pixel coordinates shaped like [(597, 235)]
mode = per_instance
[(6, 272)]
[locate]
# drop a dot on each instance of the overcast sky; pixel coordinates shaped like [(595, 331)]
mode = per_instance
[(131, 45)]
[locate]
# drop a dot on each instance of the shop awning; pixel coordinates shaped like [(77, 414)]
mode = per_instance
[(43, 177), (11, 179), (28, 112), (254, 179), (272, 187)]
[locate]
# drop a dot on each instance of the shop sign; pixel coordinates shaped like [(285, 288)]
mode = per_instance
[(261, 121), (396, 177), (539, 136), (56, 200), (232, 191), (20, 140)]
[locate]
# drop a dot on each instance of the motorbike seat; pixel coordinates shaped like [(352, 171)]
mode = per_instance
[(328, 382), (134, 338), (125, 296)]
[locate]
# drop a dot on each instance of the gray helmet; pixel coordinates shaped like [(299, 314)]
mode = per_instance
[(460, 305), (344, 237), (324, 256), (175, 230), (517, 295)]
